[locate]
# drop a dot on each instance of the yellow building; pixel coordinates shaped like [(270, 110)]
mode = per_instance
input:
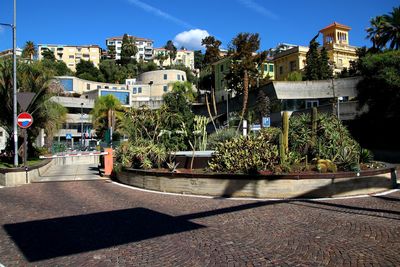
[(183, 57), (336, 42), (71, 54), (289, 58)]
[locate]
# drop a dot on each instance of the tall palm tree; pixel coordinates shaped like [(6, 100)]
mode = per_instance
[(107, 113), (245, 60), (385, 30), (29, 50)]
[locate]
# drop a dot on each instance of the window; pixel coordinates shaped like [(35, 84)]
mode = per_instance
[(222, 68), (1, 134), (312, 103), (98, 86), (67, 84), (165, 76), (183, 78), (134, 90), (71, 56), (178, 77), (271, 68), (165, 88), (88, 86), (266, 68), (281, 70), (139, 90), (123, 97)]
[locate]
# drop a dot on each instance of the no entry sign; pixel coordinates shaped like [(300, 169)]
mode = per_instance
[(24, 120)]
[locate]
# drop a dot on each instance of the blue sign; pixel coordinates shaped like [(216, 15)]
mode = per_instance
[(266, 122), (68, 136), (255, 127)]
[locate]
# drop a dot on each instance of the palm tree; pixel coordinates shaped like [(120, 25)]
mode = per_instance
[(107, 114), (161, 57), (244, 64), (29, 50), (385, 30), (33, 78)]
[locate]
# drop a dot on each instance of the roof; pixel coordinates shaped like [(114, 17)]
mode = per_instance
[(314, 89), (61, 45), (134, 37), (336, 25)]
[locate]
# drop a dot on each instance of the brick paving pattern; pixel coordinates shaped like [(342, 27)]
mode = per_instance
[(97, 223)]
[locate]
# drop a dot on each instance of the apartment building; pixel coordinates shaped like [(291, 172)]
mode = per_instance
[(144, 45), (72, 54), (289, 58), (183, 57)]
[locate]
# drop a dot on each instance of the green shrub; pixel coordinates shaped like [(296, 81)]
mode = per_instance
[(221, 136), (333, 141), (245, 154), (141, 155)]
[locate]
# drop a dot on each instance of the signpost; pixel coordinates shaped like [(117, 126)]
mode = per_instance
[(24, 121)]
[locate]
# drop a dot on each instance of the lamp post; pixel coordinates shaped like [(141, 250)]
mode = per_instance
[(82, 144), (338, 110), (15, 134), (227, 106), (150, 84)]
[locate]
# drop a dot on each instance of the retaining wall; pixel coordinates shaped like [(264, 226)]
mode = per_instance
[(258, 186), (18, 176)]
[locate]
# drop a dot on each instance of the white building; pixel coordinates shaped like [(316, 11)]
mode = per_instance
[(183, 57), (145, 47)]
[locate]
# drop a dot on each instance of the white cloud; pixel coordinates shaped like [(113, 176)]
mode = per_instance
[(159, 13), (258, 8), (191, 39)]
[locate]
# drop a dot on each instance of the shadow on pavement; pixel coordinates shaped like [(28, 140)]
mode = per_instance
[(50, 238)]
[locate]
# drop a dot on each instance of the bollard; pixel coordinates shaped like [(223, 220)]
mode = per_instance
[(108, 161)]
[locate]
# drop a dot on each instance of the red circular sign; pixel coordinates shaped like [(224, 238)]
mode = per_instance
[(24, 120)]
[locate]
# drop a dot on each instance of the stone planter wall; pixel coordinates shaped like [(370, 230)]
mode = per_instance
[(258, 186), (18, 176)]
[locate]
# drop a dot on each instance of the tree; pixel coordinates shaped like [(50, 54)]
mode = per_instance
[(48, 54), (385, 30), (212, 54), (87, 71), (33, 77), (59, 67), (243, 72), (263, 106), (107, 113), (111, 53), (326, 71), (172, 51), (128, 49), (312, 68), (178, 102), (161, 58), (198, 59), (29, 50), (317, 63)]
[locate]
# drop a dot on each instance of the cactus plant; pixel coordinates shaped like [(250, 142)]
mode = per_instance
[(285, 130)]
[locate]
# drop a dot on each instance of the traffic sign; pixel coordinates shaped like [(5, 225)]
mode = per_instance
[(68, 136), (266, 122), (24, 120)]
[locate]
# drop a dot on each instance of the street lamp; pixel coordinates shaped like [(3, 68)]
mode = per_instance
[(227, 106), (150, 84), (340, 98), (14, 29), (82, 125)]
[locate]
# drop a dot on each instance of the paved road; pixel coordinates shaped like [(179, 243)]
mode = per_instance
[(70, 173), (98, 223)]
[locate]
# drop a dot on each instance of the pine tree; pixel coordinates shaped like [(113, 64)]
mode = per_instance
[(312, 68), (326, 71)]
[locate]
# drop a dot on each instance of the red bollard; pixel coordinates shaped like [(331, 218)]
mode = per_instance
[(108, 161)]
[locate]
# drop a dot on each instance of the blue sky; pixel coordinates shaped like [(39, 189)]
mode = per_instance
[(79, 22)]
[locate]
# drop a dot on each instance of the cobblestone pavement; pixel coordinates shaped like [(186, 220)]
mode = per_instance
[(98, 223)]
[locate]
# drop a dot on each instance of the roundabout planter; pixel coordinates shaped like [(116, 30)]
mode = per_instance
[(262, 186)]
